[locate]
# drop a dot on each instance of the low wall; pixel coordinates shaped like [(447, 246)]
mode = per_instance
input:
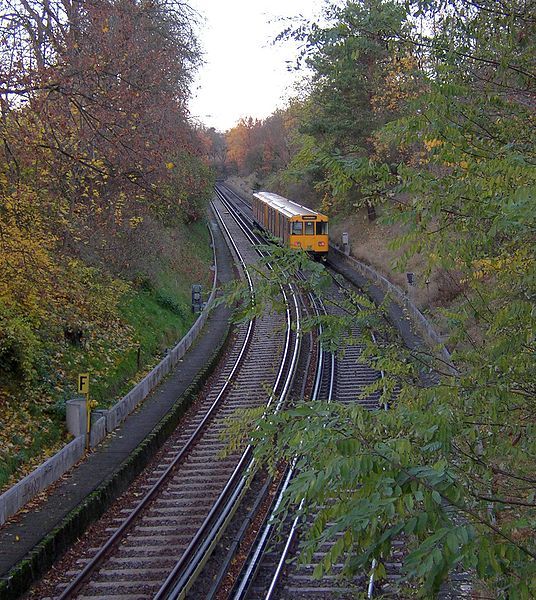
[(51, 470), (39, 479), (420, 322), (98, 431)]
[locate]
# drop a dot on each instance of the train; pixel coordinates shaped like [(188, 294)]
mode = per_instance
[(295, 225)]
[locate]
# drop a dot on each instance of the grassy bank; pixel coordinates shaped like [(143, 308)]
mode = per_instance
[(118, 344)]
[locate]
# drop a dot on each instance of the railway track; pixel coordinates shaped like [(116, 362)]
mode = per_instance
[(272, 571), (158, 544), (177, 584), (242, 205)]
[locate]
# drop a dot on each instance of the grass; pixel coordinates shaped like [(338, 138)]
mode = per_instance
[(155, 315), (153, 321), (159, 320)]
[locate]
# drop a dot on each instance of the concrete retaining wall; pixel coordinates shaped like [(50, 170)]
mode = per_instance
[(45, 474), (420, 322), (51, 470)]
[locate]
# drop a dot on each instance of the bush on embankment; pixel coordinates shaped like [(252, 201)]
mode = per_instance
[(114, 327)]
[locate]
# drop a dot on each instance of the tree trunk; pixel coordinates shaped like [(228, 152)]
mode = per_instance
[(371, 211)]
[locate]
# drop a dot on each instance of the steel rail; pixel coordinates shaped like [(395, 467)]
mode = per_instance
[(382, 373), (254, 561), (260, 547), (99, 557), (193, 559), (294, 527), (384, 405), (231, 191), (253, 565), (371, 582), (246, 223), (182, 583), (255, 239)]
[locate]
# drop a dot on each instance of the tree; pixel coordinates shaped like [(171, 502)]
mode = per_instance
[(215, 149), (357, 60), (242, 150), (451, 466), (262, 146), (106, 86), (95, 142)]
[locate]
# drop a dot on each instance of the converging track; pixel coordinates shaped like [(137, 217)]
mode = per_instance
[(157, 543), (267, 575), (271, 570)]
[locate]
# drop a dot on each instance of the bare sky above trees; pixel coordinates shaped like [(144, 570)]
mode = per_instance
[(244, 74)]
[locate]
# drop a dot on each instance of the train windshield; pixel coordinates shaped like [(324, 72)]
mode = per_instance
[(309, 228), (297, 228), (321, 228)]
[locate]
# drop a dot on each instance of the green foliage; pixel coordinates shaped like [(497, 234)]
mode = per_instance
[(171, 304), (446, 466), (348, 58), (23, 445), (450, 466), (343, 172)]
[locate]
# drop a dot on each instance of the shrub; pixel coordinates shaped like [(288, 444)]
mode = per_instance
[(19, 349)]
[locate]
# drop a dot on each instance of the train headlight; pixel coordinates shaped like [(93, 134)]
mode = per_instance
[(321, 243)]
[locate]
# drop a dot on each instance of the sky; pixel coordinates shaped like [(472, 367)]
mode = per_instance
[(244, 73)]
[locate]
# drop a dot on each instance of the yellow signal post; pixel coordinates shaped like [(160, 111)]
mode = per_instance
[(83, 388), (83, 383)]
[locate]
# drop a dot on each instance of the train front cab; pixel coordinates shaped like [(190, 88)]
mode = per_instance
[(310, 233)]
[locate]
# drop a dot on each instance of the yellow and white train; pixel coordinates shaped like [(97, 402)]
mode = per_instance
[(295, 225)]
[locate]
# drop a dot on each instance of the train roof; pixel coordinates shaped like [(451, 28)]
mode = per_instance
[(286, 206)]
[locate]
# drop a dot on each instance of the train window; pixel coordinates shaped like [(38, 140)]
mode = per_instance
[(309, 228), (297, 228), (321, 228)]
